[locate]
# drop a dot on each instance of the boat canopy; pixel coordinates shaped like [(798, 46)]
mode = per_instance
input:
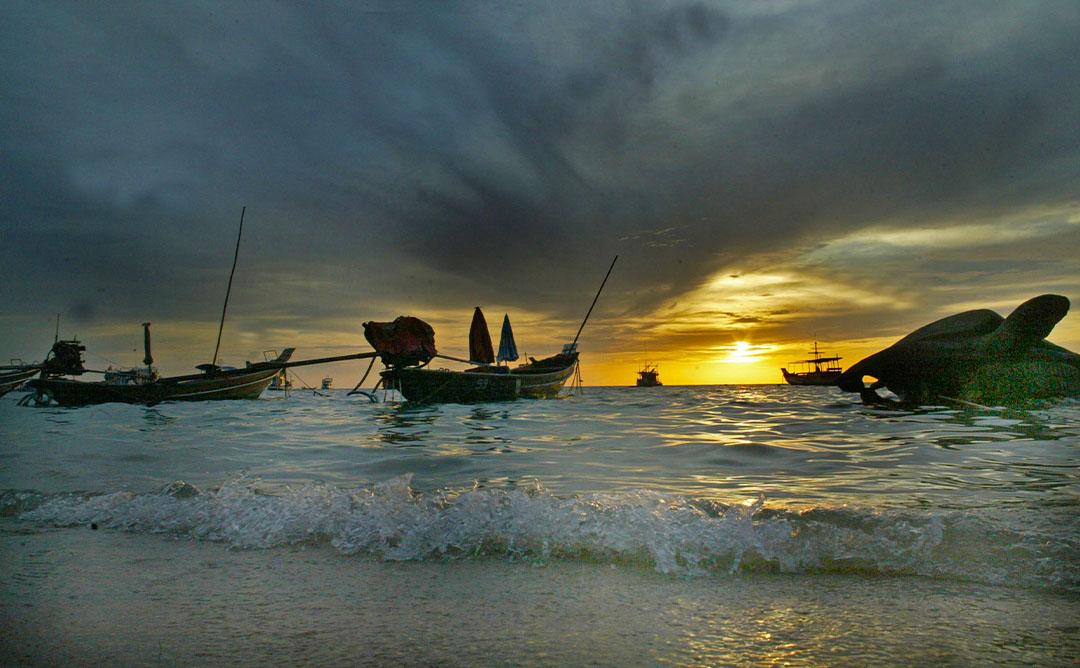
[(508, 351), (407, 341), (818, 360), (480, 349)]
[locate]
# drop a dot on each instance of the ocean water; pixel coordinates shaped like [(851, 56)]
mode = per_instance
[(621, 526)]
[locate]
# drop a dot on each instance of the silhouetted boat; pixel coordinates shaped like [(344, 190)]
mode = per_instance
[(407, 346), (145, 386), (326, 383), (818, 370), (649, 376), (540, 379)]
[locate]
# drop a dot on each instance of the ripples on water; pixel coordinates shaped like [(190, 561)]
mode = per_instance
[(687, 480)]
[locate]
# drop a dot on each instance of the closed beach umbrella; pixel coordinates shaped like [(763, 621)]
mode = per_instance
[(507, 348), (480, 349)]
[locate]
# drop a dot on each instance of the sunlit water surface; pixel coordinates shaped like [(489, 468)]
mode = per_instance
[(675, 525)]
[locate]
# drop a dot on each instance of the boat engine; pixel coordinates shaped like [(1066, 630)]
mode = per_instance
[(65, 359)]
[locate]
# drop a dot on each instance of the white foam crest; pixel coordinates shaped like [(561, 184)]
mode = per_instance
[(672, 534)]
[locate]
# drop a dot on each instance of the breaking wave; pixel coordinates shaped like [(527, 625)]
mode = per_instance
[(672, 534)]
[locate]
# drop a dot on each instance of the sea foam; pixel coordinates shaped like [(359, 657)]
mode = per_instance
[(672, 534)]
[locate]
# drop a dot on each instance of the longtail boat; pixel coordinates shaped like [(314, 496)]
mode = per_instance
[(407, 346), (143, 385), (540, 379), (212, 383), (13, 376)]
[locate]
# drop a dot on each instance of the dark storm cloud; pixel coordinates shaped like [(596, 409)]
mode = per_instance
[(508, 149)]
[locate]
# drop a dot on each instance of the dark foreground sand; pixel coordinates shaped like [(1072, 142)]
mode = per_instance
[(82, 597)]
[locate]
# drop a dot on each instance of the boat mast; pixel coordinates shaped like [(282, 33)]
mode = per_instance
[(236, 254), (148, 359), (573, 345)]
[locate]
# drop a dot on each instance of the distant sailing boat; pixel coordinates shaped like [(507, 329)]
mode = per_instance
[(649, 375), (825, 370)]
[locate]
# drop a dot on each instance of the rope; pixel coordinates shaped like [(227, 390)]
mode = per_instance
[(374, 398), (458, 359), (104, 358), (305, 384), (576, 382), (356, 390)]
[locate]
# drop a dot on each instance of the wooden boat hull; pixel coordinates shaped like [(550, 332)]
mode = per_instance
[(240, 384), (811, 377), (14, 377), (542, 380)]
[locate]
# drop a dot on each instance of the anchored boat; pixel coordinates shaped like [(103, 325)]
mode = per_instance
[(143, 385), (407, 346), (818, 370), (540, 379), (649, 376), (15, 375)]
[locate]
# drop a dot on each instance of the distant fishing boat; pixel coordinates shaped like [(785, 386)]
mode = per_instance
[(326, 383), (649, 376), (407, 346), (818, 370)]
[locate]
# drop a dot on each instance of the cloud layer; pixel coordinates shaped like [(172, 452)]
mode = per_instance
[(421, 156)]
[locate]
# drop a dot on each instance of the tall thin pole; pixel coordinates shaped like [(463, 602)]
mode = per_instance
[(594, 300), (56, 336), (236, 254)]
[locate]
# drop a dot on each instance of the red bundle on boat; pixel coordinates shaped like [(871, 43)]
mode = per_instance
[(407, 341)]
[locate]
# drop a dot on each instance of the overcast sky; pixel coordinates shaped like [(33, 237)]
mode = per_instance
[(770, 172)]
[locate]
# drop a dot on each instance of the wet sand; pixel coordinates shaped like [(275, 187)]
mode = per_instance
[(81, 597)]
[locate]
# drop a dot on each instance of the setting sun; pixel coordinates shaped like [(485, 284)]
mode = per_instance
[(743, 352)]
